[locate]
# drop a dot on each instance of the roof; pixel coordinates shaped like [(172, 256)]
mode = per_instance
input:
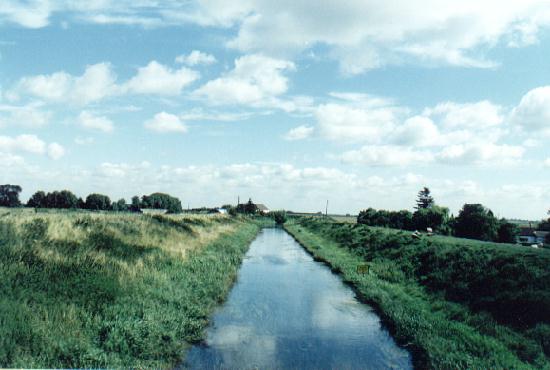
[(262, 207), (526, 231)]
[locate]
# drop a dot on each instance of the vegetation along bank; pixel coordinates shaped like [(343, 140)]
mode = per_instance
[(114, 289), (455, 303)]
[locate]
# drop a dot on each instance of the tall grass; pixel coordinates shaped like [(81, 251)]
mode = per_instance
[(111, 290), (433, 293)]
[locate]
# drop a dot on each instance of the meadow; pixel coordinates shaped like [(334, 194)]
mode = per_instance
[(455, 303), (84, 289)]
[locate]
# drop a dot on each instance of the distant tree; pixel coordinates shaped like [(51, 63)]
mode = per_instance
[(120, 205), (37, 200), (80, 204), (162, 201), (476, 222), (507, 232), (424, 199), (547, 239), (61, 199), (434, 217), (9, 195), (136, 204), (98, 202)]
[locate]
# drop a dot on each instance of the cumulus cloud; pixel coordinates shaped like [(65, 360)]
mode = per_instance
[(299, 133), (165, 122), (99, 123), (344, 122), (22, 143), (481, 153), (477, 115), (30, 115), (97, 82), (196, 57), (387, 155), (533, 112), (156, 78), (255, 80), (55, 151)]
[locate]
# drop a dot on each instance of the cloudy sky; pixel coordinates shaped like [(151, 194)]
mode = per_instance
[(289, 102)]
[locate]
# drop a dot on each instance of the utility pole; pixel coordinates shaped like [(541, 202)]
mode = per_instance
[(238, 199), (326, 209)]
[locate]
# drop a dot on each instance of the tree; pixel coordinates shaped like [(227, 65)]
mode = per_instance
[(507, 232), (98, 202), (136, 204), (162, 201), (120, 205), (61, 199), (434, 217), (424, 199), (9, 195), (476, 222), (38, 200)]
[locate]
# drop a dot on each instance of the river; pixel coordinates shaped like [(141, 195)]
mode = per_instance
[(287, 311)]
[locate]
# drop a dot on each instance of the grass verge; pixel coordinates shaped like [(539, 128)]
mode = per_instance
[(112, 290), (440, 333)]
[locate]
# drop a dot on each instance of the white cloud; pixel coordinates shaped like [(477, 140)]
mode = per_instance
[(481, 153), (299, 133), (26, 116), (31, 14), (165, 122), (84, 140), (256, 80), (90, 121), (97, 82), (477, 115), (533, 112), (55, 151), (367, 34), (344, 122), (22, 143), (159, 79), (387, 155), (196, 57), (418, 131)]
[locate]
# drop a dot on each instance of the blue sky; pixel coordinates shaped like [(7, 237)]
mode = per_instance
[(361, 103)]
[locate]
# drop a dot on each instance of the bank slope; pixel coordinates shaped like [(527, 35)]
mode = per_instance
[(112, 290), (440, 332)]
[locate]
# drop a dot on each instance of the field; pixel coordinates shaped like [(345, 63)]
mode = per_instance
[(95, 290), (455, 303)]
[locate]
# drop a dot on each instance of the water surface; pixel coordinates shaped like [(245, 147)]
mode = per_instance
[(287, 311)]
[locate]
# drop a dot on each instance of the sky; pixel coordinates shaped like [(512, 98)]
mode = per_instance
[(290, 103)]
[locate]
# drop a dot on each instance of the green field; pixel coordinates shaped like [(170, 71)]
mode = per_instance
[(84, 289), (455, 303)]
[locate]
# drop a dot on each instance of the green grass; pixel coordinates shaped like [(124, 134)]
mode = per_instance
[(426, 291), (112, 290)]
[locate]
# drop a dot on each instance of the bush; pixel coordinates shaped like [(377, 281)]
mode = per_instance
[(279, 217)]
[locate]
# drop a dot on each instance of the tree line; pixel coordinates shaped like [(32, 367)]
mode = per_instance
[(65, 199), (474, 221)]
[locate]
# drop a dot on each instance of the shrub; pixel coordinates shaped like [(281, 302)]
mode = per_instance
[(279, 217)]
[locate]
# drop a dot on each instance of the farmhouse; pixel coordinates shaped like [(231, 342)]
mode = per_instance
[(529, 236), (262, 208)]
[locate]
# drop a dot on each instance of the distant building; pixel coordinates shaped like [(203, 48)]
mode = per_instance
[(529, 236), (153, 211), (262, 208)]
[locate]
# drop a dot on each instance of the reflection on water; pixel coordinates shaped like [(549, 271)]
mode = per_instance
[(287, 311)]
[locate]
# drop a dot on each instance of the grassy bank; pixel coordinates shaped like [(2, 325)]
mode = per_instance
[(111, 290), (447, 300)]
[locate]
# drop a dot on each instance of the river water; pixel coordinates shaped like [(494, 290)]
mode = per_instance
[(287, 311)]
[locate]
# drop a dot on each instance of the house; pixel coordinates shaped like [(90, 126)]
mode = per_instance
[(153, 211), (262, 208), (529, 236)]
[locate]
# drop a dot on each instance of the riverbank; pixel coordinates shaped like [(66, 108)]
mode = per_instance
[(112, 290), (440, 333)]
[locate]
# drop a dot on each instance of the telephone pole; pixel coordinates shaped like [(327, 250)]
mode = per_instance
[(326, 209)]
